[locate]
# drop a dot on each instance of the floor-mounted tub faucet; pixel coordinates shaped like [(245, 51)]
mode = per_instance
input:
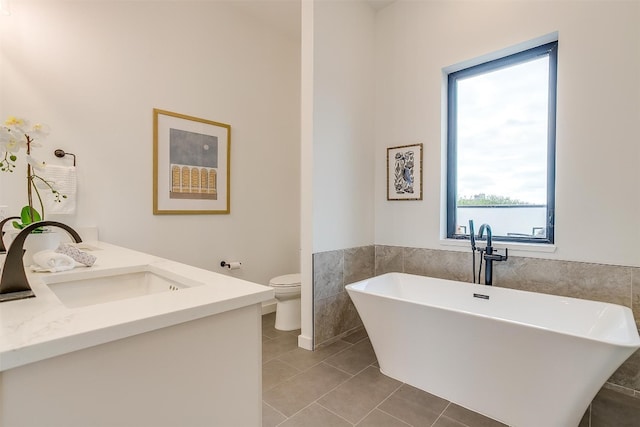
[(489, 257), (13, 283)]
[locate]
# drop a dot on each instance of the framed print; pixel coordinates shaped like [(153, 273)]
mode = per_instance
[(191, 165), (404, 172)]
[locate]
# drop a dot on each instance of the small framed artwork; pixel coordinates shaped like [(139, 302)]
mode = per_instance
[(191, 165), (404, 172)]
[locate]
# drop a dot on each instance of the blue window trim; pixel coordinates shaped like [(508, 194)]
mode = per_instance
[(548, 49)]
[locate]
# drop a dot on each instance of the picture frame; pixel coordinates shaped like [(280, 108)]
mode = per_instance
[(404, 172), (191, 165)]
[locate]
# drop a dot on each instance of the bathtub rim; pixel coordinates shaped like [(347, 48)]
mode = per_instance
[(632, 342)]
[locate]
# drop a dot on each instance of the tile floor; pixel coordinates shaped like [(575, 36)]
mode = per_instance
[(341, 385)]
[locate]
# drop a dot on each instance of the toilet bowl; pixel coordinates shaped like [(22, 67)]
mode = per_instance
[(287, 294)]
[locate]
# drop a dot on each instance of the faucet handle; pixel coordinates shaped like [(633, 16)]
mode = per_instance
[(496, 257)]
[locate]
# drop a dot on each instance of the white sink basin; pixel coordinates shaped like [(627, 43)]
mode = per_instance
[(80, 290)]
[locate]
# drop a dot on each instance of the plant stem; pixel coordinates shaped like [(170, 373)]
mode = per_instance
[(40, 201), (29, 183)]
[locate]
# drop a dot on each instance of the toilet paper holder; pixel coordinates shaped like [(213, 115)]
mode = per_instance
[(231, 265)]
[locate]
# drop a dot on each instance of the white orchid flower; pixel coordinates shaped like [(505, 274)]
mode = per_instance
[(5, 133), (8, 137), (13, 145), (17, 124), (17, 133), (5, 137), (40, 129), (14, 121), (36, 164)]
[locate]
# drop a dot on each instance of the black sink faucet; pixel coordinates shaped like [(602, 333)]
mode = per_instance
[(13, 283), (3, 250), (489, 256)]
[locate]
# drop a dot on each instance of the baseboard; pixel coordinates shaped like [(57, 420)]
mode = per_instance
[(268, 307), (305, 342)]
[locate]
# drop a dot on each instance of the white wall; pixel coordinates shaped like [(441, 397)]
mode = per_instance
[(597, 175), (343, 127), (95, 70), (305, 340)]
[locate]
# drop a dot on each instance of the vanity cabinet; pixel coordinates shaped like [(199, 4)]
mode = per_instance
[(205, 372), (186, 356)]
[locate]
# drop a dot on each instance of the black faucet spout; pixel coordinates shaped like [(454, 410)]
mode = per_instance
[(13, 283), (484, 227), (3, 250)]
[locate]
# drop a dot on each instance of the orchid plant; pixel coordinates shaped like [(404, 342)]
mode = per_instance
[(17, 134)]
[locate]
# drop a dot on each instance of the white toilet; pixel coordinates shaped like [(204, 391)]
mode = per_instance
[(287, 293)]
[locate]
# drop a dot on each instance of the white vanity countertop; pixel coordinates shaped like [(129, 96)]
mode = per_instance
[(38, 328)]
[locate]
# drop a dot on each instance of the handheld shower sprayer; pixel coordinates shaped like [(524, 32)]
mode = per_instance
[(472, 236)]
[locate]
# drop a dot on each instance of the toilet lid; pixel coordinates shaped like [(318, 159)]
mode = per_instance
[(286, 280)]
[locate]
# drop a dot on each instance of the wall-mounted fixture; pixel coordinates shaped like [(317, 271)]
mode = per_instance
[(5, 9), (233, 265), (60, 153)]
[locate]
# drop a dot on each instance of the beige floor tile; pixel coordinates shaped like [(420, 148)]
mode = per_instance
[(269, 330), (354, 399), (354, 359), (613, 409), (274, 372), (448, 422), (315, 416), (277, 346), (304, 359), (470, 418), (413, 394), (414, 406), (356, 336), (271, 417), (297, 392), (378, 418), (269, 318)]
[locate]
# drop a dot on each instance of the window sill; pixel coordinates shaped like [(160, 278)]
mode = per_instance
[(516, 246)]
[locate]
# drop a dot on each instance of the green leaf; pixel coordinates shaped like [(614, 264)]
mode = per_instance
[(29, 218), (13, 157), (17, 225)]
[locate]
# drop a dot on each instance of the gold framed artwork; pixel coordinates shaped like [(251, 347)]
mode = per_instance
[(404, 172), (191, 165)]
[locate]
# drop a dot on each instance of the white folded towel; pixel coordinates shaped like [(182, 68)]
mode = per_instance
[(77, 255), (64, 180), (52, 261)]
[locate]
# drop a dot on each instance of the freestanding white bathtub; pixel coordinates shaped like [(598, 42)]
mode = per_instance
[(522, 358)]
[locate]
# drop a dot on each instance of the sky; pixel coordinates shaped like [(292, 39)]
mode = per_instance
[(502, 133)]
